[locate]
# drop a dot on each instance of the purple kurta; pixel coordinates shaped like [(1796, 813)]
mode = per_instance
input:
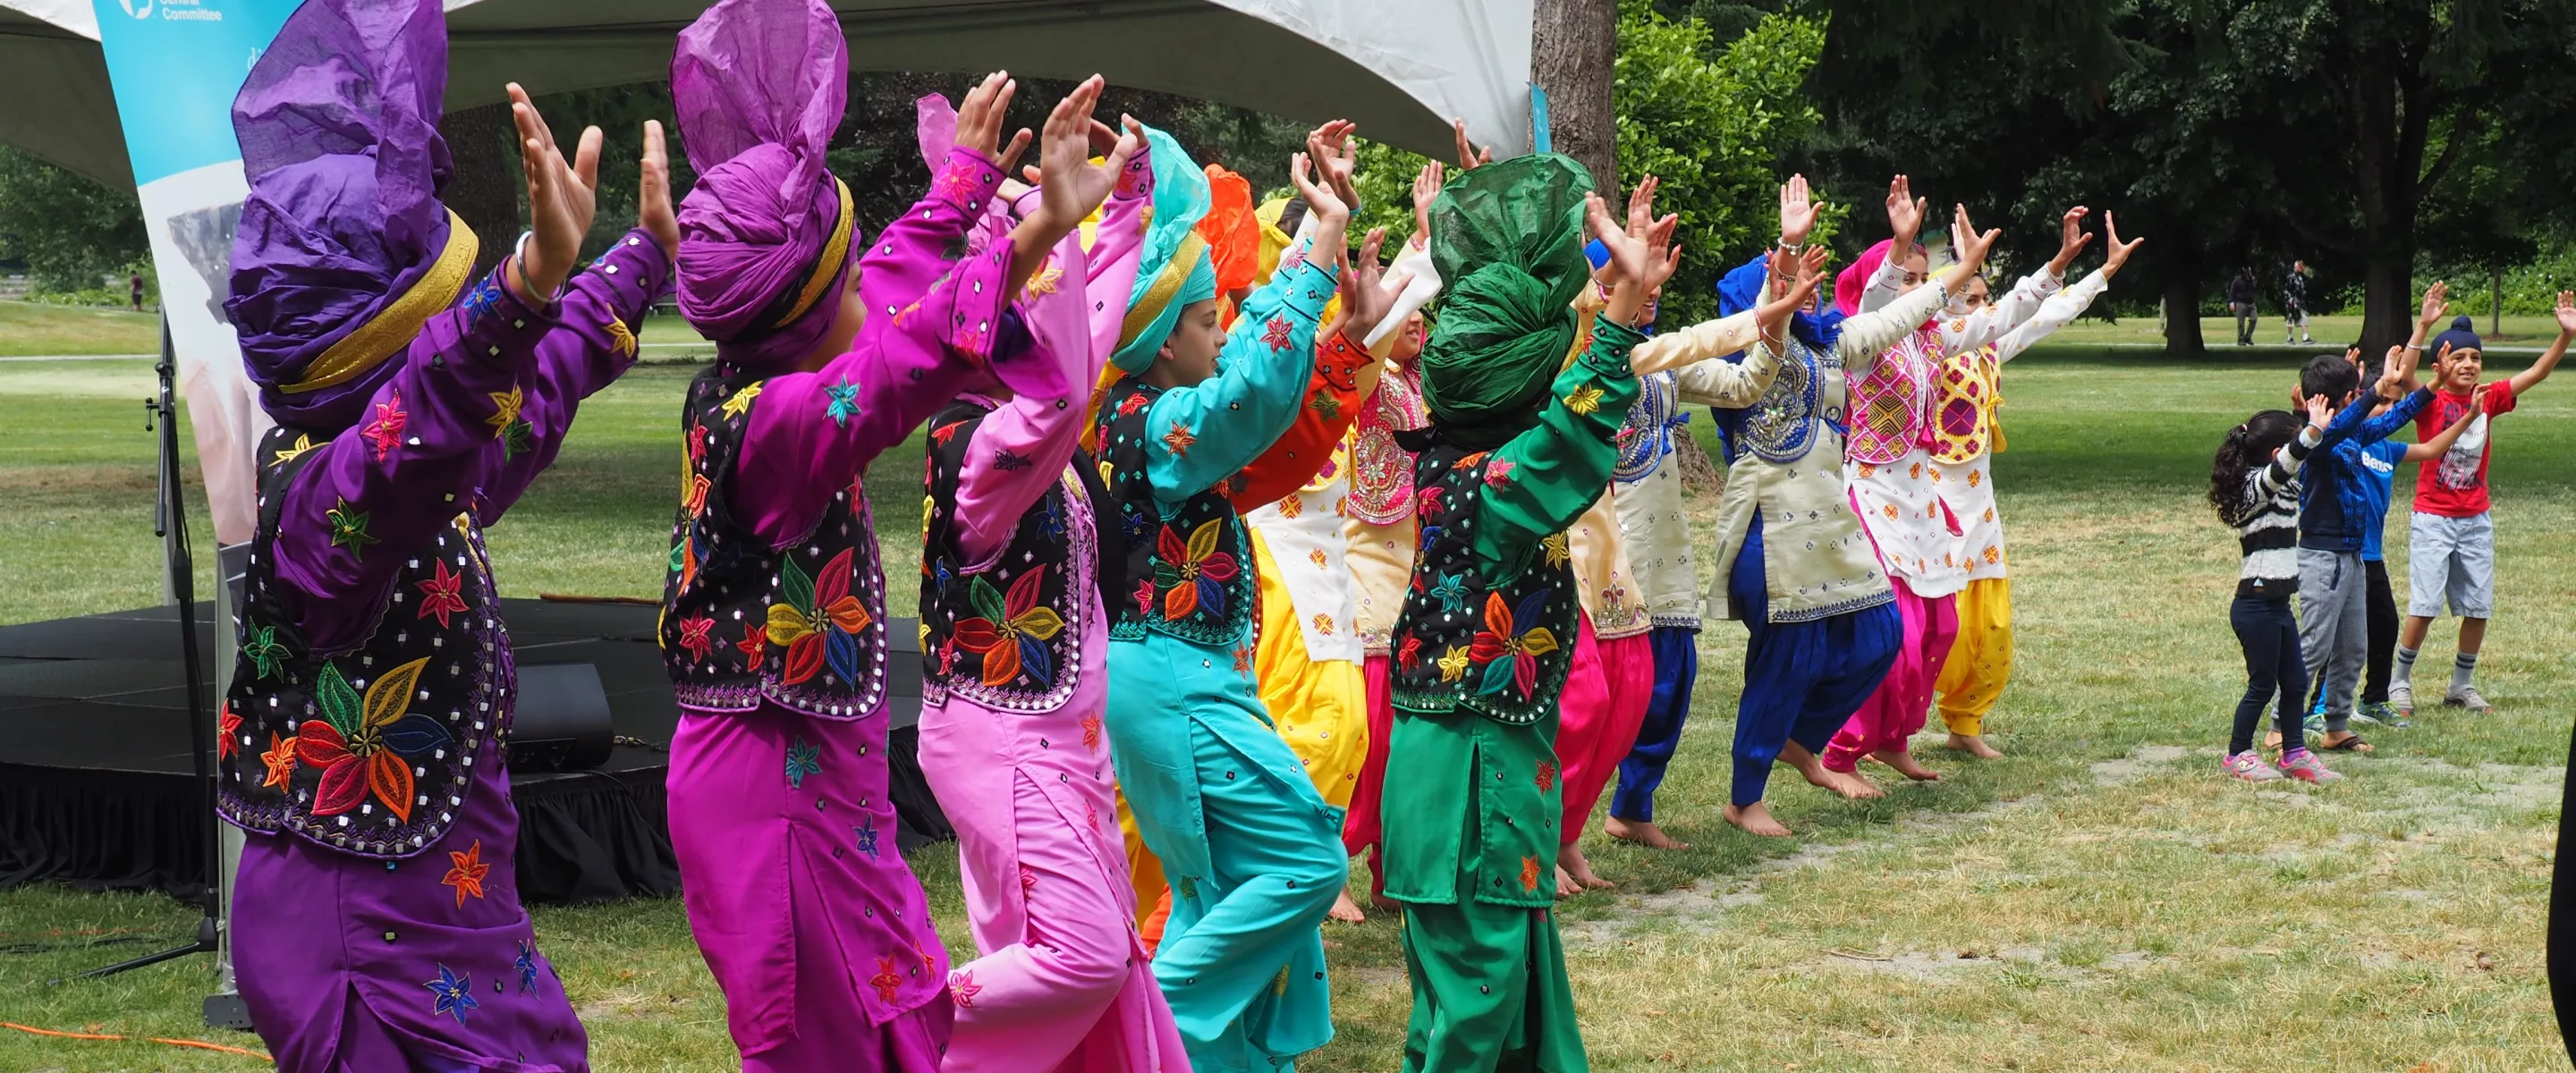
[(362, 964), (1065, 982), (806, 912)]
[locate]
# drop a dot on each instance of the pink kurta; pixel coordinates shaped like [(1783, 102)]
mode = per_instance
[(806, 912), (1064, 982)]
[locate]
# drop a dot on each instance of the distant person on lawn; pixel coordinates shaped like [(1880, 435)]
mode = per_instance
[(134, 291), (2451, 543), (2294, 305), (2240, 301)]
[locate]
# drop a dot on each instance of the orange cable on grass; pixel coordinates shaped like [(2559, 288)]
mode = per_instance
[(198, 1044)]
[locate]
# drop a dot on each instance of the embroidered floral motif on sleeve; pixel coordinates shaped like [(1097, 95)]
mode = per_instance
[(887, 981), (385, 433), (505, 408), (620, 339), (843, 402), (1584, 400), (1178, 440)]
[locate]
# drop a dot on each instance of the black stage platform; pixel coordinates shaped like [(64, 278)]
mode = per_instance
[(96, 784)]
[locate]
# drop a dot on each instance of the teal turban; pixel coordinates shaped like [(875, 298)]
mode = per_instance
[(1509, 239), (1175, 270)]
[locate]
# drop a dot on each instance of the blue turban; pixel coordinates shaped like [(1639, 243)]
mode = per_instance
[(1175, 270), (1741, 290), (2462, 336)]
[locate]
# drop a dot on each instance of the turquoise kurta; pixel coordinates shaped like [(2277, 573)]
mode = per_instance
[(1253, 854), (1471, 828)]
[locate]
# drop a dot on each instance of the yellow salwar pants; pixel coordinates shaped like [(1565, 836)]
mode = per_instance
[(1981, 659)]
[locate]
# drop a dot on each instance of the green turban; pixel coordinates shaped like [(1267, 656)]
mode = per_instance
[(1508, 240)]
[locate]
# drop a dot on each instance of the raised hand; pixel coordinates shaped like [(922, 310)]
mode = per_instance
[(1469, 156), (653, 202), (2437, 305), (1971, 248), (1426, 189), (2319, 411), (2566, 312), (1368, 293), (2119, 251), (2394, 370), (979, 121), (1663, 255), (1337, 157), (1794, 278), (1904, 211), (1323, 205), (2071, 240), (1070, 186), (1797, 211), (562, 199)]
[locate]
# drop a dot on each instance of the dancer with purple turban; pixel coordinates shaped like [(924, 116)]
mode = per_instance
[(376, 919), (829, 349)]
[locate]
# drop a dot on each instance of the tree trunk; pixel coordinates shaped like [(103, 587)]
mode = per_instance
[(484, 192), (1573, 44), (2182, 306), (2388, 296)]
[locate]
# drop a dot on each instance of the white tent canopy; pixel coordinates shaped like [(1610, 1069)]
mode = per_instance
[(1399, 68)]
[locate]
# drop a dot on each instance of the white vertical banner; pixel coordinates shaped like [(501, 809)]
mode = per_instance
[(175, 66)]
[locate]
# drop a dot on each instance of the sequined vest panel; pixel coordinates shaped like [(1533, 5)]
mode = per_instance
[(1463, 641), (1189, 574), (369, 749), (1964, 424), (745, 623), (1890, 402), (1008, 636)]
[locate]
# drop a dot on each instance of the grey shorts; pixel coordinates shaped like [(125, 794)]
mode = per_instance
[(2450, 560)]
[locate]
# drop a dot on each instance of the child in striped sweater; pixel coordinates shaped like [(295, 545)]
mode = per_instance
[(2255, 487)]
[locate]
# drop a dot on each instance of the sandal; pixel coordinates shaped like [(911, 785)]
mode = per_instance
[(2350, 744)]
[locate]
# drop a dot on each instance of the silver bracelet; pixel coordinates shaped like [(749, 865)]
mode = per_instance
[(519, 252)]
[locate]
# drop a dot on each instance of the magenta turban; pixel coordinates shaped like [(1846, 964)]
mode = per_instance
[(766, 238)]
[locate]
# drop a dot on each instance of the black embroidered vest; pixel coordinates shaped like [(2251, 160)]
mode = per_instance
[(1464, 641), (1188, 574), (1009, 635), (368, 749), (743, 622)]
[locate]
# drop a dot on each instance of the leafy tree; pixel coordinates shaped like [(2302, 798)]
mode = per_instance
[(1711, 122), (70, 229)]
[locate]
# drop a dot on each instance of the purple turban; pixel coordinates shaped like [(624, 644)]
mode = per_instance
[(344, 250), (766, 237)]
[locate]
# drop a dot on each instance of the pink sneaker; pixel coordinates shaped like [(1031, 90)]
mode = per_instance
[(2305, 767), (2250, 767)]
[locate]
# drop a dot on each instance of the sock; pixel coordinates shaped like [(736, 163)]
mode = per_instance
[(2460, 670), (2404, 671)]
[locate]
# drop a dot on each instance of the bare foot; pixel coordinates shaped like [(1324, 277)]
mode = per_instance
[(1570, 860), (1755, 819), (1566, 886), (1904, 764), (1643, 833), (1347, 911), (1973, 745), (1384, 904), (1852, 785)]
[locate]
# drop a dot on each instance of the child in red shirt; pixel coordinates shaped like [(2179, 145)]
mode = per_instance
[(2451, 541)]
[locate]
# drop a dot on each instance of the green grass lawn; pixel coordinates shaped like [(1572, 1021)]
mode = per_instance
[(2101, 899), (34, 328)]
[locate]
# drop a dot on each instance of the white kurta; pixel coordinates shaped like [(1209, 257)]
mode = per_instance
[(1970, 392)]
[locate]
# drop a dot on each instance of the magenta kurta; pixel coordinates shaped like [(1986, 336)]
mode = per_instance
[(807, 914)]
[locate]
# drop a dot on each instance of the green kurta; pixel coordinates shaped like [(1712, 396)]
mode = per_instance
[(1471, 828)]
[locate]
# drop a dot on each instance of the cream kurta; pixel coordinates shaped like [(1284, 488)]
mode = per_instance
[(1646, 487), (1967, 486)]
